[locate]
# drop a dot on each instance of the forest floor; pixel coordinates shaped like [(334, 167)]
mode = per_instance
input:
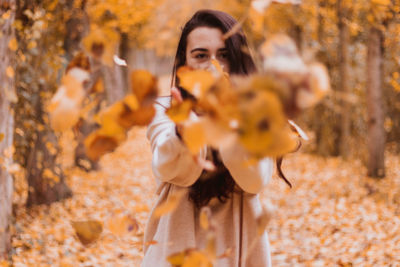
[(333, 215)]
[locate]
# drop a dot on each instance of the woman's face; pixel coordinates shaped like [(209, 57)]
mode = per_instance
[(203, 45)]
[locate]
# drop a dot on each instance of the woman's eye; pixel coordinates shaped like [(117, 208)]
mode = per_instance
[(201, 56), (223, 56)]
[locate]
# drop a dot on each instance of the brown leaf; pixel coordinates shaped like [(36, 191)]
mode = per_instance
[(87, 231)]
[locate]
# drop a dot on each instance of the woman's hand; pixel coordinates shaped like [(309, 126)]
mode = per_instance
[(176, 95)]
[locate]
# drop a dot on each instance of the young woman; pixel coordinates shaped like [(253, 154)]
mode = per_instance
[(231, 191)]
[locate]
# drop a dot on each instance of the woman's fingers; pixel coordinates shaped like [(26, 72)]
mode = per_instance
[(176, 94)]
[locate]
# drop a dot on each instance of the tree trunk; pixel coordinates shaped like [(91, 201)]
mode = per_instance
[(343, 52), (45, 177), (376, 132), (6, 128)]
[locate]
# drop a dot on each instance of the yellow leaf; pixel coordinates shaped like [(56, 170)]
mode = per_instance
[(97, 145), (87, 231), (102, 43), (180, 111), (196, 82), (10, 72), (144, 86), (13, 44), (1, 136), (170, 204), (194, 136), (263, 129), (197, 259)]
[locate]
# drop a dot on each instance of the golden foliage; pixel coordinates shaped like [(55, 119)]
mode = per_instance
[(87, 231)]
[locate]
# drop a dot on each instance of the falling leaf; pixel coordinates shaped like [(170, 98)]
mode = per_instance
[(263, 129), (97, 145), (196, 82), (170, 204), (144, 86), (87, 231), (102, 43), (180, 112), (1, 136), (189, 258), (194, 137)]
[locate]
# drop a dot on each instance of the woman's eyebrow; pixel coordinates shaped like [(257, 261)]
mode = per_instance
[(199, 49)]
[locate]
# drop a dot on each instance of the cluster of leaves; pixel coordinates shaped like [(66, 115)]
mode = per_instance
[(251, 110)]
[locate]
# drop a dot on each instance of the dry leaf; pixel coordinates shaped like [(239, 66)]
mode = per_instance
[(87, 231), (144, 86), (194, 136)]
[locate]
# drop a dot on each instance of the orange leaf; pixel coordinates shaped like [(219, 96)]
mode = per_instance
[(144, 86), (87, 231)]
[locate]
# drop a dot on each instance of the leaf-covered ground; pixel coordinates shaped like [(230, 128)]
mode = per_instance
[(333, 216)]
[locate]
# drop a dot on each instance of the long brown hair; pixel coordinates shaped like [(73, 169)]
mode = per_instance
[(219, 183)]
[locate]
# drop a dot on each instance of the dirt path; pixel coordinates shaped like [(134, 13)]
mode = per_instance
[(333, 216)]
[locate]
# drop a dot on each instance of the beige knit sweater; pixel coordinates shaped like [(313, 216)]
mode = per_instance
[(174, 168)]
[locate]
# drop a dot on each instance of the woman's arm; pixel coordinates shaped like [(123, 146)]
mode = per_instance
[(172, 161), (250, 177)]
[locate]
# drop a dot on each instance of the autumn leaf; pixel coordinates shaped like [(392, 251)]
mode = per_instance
[(144, 86), (97, 145), (87, 231), (189, 258), (180, 111), (101, 43), (194, 136), (196, 82), (1, 136), (263, 129)]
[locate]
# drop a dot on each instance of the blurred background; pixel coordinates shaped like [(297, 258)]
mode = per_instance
[(355, 129)]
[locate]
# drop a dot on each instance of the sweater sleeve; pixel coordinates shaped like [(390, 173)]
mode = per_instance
[(252, 178), (172, 161)]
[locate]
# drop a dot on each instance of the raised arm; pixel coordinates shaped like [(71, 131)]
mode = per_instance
[(250, 177), (172, 162)]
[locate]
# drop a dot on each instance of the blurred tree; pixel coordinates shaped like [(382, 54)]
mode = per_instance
[(7, 96), (376, 132), (41, 29), (343, 10)]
